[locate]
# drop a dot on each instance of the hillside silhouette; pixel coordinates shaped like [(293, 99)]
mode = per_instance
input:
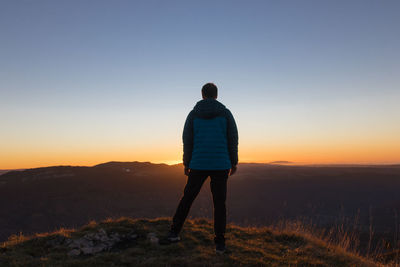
[(128, 242), (360, 201)]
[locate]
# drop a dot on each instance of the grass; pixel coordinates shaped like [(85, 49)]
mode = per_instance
[(247, 247)]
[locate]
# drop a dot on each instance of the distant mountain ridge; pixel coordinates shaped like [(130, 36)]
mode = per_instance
[(281, 162), (8, 170), (149, 165)]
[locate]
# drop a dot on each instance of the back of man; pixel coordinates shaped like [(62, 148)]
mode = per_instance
[(210, 149)]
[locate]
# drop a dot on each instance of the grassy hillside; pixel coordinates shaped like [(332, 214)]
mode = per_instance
[(135, 247)]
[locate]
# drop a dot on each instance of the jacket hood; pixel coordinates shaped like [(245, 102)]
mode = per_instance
[(208, 108)]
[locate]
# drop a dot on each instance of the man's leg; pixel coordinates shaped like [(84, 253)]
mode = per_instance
[(192, 188), (218, 188)]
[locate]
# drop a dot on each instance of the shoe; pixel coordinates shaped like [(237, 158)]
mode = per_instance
[(172, 237), (220, 248)]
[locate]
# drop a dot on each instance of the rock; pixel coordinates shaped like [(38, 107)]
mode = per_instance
[(86, 243), (103, 238), (99, 248), (74, 252), (81, 243), (93, 243), (73, 244), (90, 236), (152, 237), (115, 237), (87, 250)]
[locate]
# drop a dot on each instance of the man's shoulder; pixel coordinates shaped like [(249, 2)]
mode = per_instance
[(191, 113), (228, 113)]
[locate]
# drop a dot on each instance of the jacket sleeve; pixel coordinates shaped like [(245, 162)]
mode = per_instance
[(187, 138), (233, 139)]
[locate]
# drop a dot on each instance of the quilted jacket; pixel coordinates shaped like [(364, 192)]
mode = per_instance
[(210, 137)]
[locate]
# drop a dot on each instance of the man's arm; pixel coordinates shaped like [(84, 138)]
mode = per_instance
[(187, 138), (233, 140)]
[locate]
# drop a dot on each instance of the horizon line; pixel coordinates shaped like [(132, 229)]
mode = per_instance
[(278, 162)]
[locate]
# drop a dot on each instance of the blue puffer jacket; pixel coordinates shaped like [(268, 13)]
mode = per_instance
[(210, 137)]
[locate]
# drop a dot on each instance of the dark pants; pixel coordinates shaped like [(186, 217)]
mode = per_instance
[(194, 183)]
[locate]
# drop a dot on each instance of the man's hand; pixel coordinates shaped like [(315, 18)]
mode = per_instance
[(233, 170), (187, 170)]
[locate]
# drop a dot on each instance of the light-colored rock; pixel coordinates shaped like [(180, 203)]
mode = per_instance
[(103, 238), (153, 239), (102, 231), (73, 244), (115, 236), (85, 243), (93, 243), (87, 250), (90, 236), (74, 252), (99, 248)]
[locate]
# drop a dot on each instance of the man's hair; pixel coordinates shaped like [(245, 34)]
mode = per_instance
[(209, 90)]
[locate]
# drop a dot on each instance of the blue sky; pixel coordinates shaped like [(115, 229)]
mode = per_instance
[(79, 76)]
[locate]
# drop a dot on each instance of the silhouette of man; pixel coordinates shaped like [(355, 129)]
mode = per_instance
[(210, 148)]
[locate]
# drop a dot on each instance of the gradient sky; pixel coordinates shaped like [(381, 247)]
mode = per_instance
[(85, 82)]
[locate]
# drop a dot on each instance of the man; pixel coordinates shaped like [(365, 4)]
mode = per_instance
[(210, 148)]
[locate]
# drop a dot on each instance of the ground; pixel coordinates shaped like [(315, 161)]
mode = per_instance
[(246, 247)]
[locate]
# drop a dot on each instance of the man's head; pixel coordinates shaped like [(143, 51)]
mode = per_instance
[(209, 90)]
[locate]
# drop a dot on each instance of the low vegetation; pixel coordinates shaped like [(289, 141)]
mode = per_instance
[(246, 246)]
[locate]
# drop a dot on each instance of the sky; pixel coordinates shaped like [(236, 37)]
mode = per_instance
[(85, 82)]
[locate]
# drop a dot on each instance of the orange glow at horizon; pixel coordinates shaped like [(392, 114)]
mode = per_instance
[(298, 154)]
